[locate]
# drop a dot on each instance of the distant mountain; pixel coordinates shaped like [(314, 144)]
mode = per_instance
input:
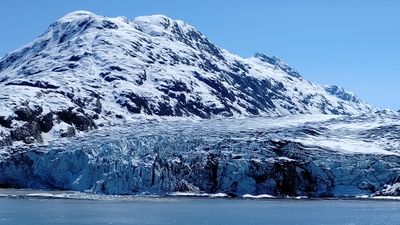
[(88, 71)]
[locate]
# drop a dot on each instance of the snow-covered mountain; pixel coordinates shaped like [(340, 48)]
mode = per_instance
[(88, 71)]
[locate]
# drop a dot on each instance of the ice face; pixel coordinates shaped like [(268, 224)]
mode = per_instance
[(295, 156)]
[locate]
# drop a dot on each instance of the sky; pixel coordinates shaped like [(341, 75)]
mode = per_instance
[(351, 43)]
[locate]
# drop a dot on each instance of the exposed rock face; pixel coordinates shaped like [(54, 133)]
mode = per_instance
[(81, 121), (30, 124), (87, 71), (289, 156)]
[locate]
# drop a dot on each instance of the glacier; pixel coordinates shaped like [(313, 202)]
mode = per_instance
[(305, 155)]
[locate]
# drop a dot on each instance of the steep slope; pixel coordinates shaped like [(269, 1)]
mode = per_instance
[(87, 71)]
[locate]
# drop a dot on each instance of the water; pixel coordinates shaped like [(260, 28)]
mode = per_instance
[(194, 211)]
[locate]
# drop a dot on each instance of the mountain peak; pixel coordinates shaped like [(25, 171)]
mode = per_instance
[(161, 25), (77, 15), (154, 19), (176, 30)]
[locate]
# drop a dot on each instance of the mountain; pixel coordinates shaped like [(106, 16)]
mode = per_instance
[(88, 71)]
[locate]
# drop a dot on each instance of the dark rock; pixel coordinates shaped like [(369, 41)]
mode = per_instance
[(208, 66), (203, 43), (278, 63), (117, 68), (3, 79), (86, 23), (212, 168), (28, 114), (70, 132), (219, 88), (176, 86), (60, 69), (28, 133), (5, 140), (111, 77), (239, 67), (5, 122), (197, 108), (74, 58), (341, 93), (164, 110), (253, 110), (257, 93), (98, 106), (80, 120), (141, 78), (38, 84), (109, 25), (72, 65), (134, 103), (46, 122)]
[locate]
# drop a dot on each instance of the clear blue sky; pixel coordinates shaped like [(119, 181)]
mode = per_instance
[(355, 44)]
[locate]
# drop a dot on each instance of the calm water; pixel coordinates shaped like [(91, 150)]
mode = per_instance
[(184, 211)]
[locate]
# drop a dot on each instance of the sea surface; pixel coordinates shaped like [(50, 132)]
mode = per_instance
[(42, 209)]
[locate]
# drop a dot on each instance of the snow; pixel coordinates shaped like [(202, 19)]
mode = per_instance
[(386, 198), (347, 145), (369, 197), (44, 195), (257, 196), (191, 194), (76, 15)]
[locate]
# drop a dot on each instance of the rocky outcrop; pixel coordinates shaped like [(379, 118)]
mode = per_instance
[(30, 123)]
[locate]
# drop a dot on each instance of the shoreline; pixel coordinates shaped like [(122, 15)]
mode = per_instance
[(75, 195)]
